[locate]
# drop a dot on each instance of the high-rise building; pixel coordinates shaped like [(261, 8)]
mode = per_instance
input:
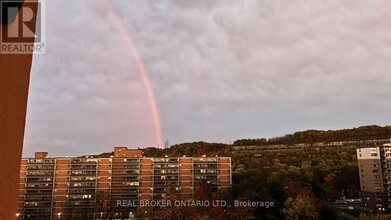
[(93, 187), (374, 164)]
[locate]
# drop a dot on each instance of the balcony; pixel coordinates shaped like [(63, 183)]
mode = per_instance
[(34, 198), (83, 168), (40, 172), (82, 179), (125, 174)]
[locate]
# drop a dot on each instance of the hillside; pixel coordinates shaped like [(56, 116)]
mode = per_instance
[(345, 138), (369, 132)]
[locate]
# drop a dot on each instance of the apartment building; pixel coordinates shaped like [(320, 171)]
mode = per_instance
[(374, 164), (91, 187)]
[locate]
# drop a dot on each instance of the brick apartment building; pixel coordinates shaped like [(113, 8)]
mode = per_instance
[(374, 164), (90, 187)]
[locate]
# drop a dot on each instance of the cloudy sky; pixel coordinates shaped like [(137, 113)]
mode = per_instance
[(216, 71)]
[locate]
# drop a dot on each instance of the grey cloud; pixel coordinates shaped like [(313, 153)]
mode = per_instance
[(221, 70)]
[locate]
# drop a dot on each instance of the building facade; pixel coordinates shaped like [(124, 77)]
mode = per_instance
[(94, 188), (374, 164)]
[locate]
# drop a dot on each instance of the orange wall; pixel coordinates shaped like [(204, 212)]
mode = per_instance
[(61, 184), (146, 175), (186, 176), (41, 155), (224, 172), (14, 84), (125, 152), (104, 173)]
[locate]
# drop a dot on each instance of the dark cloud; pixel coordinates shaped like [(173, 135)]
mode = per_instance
[(221, 70)]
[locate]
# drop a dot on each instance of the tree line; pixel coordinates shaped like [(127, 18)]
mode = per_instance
[(369, 132)]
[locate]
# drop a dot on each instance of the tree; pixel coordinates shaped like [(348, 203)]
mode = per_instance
[(101, 203), (299, 208)]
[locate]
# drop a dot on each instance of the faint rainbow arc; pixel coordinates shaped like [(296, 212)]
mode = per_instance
[(142, 70)]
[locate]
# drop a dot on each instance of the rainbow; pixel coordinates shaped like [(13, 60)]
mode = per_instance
[(120, 27)]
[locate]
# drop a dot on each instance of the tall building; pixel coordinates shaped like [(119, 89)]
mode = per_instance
[(94, 187), (374, 164)]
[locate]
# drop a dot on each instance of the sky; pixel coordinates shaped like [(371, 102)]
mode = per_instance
[(118, 73)]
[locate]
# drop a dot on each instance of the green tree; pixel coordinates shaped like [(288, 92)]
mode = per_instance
[(299, 208)]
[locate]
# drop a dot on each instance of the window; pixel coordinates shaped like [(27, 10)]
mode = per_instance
[(131, 183)]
